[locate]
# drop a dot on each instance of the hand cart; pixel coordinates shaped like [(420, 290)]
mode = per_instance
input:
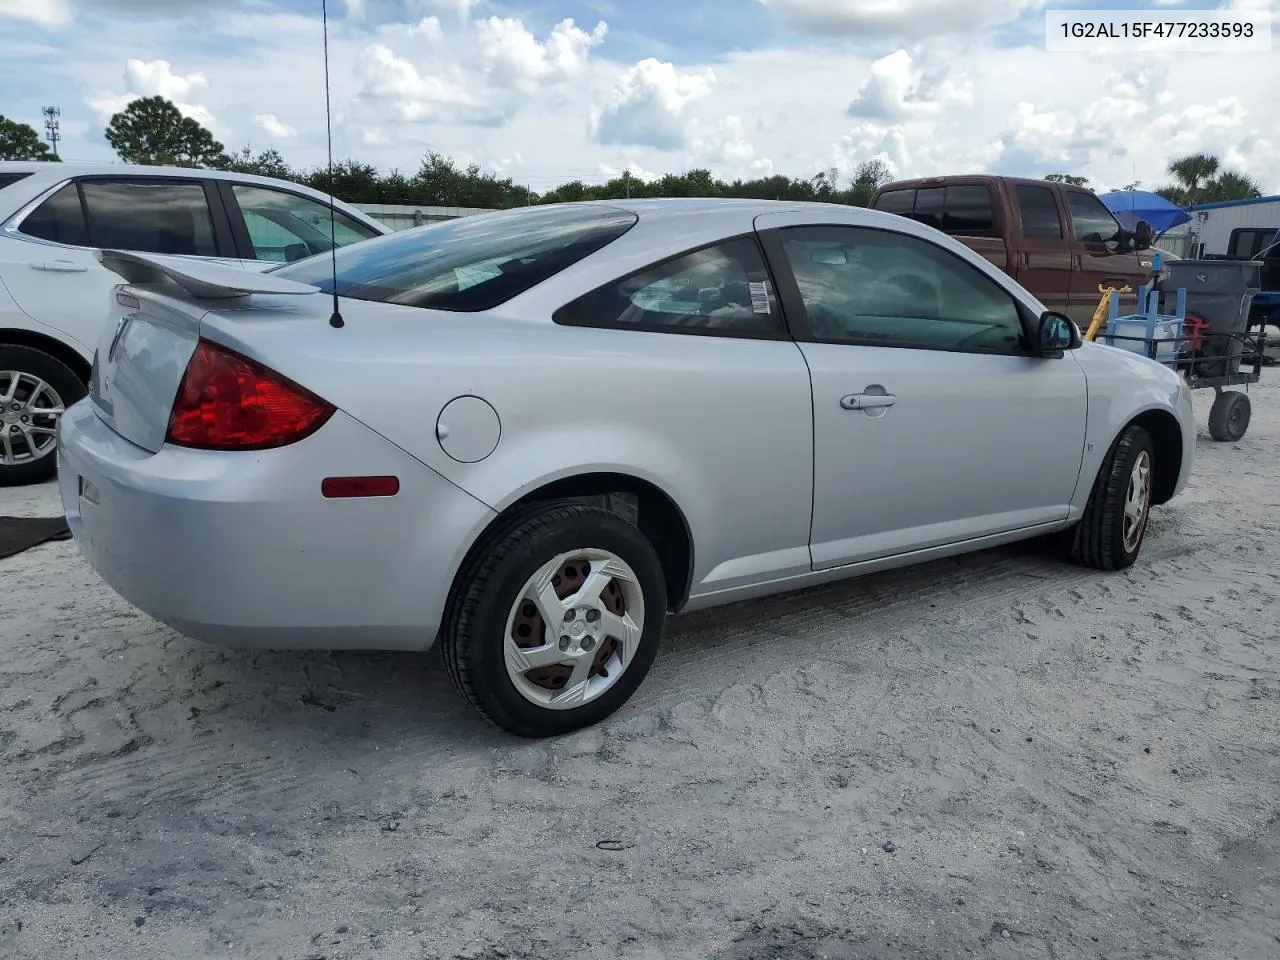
[(1206, 337)]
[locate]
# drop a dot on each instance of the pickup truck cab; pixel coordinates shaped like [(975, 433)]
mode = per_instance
[(1058, 241)]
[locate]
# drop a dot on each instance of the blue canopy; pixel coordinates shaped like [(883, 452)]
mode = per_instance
[(1130, 206)]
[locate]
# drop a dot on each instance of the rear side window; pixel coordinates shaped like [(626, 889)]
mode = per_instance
[(901, 202), (10, 178), (468, 264), (968, 212), (149, 216), (1040, 216), (60, 219), (720, 290)]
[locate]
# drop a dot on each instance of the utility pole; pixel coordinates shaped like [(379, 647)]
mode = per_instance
[(51, 129)]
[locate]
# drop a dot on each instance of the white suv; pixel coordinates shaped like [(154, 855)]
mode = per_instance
[(55, 295)]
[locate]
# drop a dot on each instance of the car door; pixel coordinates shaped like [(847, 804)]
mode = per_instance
[(55, 277), (276, 226), (1044, 250), (1097, 256), (931, 425)]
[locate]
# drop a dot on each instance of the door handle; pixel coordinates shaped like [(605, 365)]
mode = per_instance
[(868, 401), (60, 266)]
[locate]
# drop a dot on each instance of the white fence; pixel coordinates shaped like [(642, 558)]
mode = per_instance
[(400, 216)]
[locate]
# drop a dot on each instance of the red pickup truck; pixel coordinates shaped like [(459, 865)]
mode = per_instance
[(1058, 241)]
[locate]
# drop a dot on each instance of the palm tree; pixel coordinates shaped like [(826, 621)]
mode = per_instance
[(1192, 173), (1230, 185)]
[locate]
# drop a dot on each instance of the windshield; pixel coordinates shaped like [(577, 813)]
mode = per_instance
[(468, 264)]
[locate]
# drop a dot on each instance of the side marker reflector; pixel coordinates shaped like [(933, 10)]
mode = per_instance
[(340, 487)]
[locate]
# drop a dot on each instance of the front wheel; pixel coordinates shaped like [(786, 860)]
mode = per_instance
[(1110, 534), (35, 390), (555, 619)]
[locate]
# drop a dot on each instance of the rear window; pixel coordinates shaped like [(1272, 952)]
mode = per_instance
[(468, 264), (7, 179)]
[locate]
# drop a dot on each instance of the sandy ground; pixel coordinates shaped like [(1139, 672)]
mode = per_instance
[(1067, 764)]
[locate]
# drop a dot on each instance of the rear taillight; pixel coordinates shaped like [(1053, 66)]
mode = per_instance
[(229, 402)]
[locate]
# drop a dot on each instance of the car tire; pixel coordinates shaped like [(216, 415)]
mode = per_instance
[(493, 628), (1109, 536), (32, 368), (1229, 416)]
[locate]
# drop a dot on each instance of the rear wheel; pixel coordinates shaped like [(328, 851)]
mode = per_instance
[(555, 620), (1229, 416), (35, 390), (1110, 534)]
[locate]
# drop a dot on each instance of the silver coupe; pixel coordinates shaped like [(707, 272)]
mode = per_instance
[(532, 435)]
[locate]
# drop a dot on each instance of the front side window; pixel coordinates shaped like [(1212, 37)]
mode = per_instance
[(721, 290), (60, 219), (881, 288), (468, 264), (1040, 216), (149, 216), (284, 226), (1090, 219)]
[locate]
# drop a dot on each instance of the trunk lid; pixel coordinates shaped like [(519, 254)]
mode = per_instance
[(152, 331)]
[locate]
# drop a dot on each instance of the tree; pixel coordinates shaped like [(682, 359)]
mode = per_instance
[(151, 130), (1067, 178), (1199, 178), (268, 163), (20, 141)]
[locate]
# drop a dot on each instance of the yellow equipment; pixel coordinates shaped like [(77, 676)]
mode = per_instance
[(1100, 315)]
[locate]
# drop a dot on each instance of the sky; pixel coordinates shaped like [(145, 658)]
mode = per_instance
[(547, 91)]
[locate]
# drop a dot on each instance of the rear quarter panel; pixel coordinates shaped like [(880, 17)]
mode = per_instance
[(723, 426)]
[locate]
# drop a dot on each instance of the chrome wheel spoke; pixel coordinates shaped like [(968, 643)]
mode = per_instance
[(11, 391), (523, 659), (624, 630), (7, 457), (577, 688), (602, 573)]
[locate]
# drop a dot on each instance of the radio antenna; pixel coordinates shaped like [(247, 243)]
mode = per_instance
[(335, 320)]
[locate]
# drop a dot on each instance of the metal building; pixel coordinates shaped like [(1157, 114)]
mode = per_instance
[(1234, 227)]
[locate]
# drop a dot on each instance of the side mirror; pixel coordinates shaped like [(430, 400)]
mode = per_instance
[(1143, 236), (1057, 334)]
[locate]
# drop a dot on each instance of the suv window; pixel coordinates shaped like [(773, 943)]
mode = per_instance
[(881, 288), (720, 290), (962, 210), (284, 226), (901, 202), (10, 178), (60, 219), (1091, 220), (150, 216), (468, 264), (1246, 243), (1040, 215)]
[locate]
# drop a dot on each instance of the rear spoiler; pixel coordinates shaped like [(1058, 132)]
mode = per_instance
[(202, 279)]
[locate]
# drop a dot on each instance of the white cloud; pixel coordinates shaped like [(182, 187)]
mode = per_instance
[(413, 95), (458, 9), (636, 171), (648, 105), (513, 55), (897, 88), (355, 9), (728, 148), (273, 125), (43, 13), (897, 18), (154, 78)]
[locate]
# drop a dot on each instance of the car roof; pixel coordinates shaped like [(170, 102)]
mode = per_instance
[(49, 172)]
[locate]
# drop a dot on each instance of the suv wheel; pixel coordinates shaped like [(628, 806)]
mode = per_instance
[(35, 390)]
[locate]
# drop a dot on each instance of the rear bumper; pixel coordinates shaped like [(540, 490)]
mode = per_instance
[(242, 549)]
